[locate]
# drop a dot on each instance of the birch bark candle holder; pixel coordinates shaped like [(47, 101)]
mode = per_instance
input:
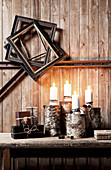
[(78, 125), (52, 120), (66, 107)]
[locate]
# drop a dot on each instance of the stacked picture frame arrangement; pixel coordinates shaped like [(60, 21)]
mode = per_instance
[(18, 55)]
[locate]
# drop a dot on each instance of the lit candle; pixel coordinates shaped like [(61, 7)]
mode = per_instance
[(53, 92), (75, 101), (88, 95), (67, 89)]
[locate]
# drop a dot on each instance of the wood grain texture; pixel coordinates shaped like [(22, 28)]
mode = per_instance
[(74, 29), (35, 95), (1, 57), (64, 75), (109, 29), (93, 29), (55, 15), (26, 83), (7, 105), (93, 83), (103, 96), (64, 25), (103, 29), (55, 77), (109, 101), (84, 29), (93, 48), (16, 93), (84, 33), (83, 83), (74, 80), (46, 78)]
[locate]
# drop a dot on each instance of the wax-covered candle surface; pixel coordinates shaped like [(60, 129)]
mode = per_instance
[(75, 101), (67, 89), (88, 95), (53, 92)]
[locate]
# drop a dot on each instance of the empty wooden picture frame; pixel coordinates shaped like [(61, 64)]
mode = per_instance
[(45, 25), (58, 52)]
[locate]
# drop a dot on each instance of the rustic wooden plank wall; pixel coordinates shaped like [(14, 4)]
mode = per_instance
[(84, 33)]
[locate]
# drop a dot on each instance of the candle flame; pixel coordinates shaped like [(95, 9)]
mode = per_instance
[(53, 84), (89, 88), (67, 82), (74, 92)]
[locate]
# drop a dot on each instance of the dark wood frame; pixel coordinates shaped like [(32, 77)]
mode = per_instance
[(44, 24), (58, 52)]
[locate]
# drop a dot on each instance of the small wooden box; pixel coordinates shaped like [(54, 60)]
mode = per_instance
[(102, 134), (22, 114)]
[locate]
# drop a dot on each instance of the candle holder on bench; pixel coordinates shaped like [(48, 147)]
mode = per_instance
[(52, 120), (66, 107), (78, 124), (93, 120)]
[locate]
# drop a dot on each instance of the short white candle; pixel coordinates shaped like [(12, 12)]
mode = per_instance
[(88, 95), (75, 101), (53, 92), (67, 89)]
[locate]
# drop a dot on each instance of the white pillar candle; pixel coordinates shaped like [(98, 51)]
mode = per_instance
[(67, 89), (88, 95), (53, 92), (75, 101)]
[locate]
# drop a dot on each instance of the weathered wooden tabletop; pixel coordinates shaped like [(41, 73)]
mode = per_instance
[(51, 142)]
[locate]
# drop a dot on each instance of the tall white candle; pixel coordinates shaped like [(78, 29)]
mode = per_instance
[(67, 89), (75, 101), (88, 95), (53, 92)]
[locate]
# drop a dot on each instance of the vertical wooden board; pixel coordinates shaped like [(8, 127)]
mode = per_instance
[(45, 16), (109, 101), (55, 72), (7, 103), (55, 13), (1, 57), (35, 49), (93, 83), (26, 83), (64, 75), (35, 9), (83, 29), (16, 93), (93, 29), (1, 39), (109, 29), (103, 54), (83, 83), (45, 92), (103, 95), (46, 78), (103, 29), (95, 163), (64, 25), (6, 159), (83, 79), (74, 29), (74, 80), (93, 48)]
